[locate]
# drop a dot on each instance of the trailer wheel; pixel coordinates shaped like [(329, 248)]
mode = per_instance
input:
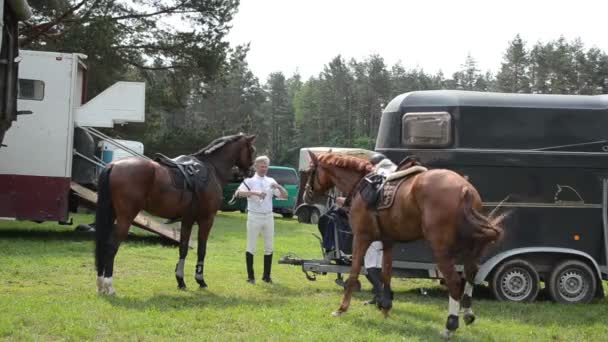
[(516, 281), (572, 281), (303, 215)]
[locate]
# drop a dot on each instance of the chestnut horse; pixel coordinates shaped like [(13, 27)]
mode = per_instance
[(437, 205), (129, 185)]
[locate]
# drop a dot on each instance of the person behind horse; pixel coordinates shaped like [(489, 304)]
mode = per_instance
[(373, 256), (259, 190)]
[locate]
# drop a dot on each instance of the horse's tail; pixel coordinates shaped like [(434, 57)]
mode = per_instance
[(483, 230), (104, 218)]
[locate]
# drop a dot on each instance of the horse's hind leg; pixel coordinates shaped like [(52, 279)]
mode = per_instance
[(204, 227), (118, 236), (470, 271), (360, 245), (446, 265), (184, 240)]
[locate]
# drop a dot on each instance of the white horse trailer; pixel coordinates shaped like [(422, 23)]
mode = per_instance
[(50, 154)]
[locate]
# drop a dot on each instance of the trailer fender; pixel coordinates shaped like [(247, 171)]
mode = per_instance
[(491, 263)]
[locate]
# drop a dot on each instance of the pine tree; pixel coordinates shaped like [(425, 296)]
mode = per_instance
[(513, 75)]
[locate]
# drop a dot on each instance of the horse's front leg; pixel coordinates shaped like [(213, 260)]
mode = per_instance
[(360, 245), (204, 227), (386, 298), (184, 240)]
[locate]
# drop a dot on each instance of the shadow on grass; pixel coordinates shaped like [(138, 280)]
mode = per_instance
[(524, 313), (72, 235), (426, 327), (194, 298)]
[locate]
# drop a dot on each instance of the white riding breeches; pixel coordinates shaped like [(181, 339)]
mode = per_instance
[(256, 224), (373, 256)]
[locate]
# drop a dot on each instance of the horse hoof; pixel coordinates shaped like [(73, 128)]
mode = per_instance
[(469, 318), (337, 313), (202, 284), (182, 288), (385, 305), (385, 313), (447, 334)]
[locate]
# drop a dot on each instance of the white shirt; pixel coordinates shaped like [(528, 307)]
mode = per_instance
[(385, 167), (261, 184)]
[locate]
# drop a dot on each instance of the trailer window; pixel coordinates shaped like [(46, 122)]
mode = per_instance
[(31, 89), (426, 129)]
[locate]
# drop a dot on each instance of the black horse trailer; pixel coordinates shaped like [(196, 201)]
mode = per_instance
[(543, 158)]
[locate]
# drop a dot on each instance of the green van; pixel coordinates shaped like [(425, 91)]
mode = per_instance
[(286, 176)]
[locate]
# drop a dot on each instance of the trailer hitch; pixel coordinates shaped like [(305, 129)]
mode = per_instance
[(312, 277)]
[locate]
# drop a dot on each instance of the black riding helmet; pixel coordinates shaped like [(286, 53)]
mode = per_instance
[(376, 158)]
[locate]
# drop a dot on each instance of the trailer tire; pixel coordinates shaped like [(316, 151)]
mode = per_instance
[(572, 282), (515, 280), (303, 215)]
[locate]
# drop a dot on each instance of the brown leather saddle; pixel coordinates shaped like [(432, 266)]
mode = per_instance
[(379, 191)]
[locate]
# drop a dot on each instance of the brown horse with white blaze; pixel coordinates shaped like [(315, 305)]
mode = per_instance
[(437, 205), (130, 185)]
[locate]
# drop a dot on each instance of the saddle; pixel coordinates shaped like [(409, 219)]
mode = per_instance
[(187, 174), (379, 191)]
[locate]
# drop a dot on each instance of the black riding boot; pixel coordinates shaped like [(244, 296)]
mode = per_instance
[(250, 275), (373, 275), (267, 267)]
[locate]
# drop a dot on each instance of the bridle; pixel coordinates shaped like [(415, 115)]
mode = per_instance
[(309, 188)]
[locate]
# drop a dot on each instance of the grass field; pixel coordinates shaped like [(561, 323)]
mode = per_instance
[(47, 292)]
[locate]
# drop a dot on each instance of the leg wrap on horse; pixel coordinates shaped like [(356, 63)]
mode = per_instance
[(179, 273), (467, 296), (200, 265), (467, 303), (454, 308)]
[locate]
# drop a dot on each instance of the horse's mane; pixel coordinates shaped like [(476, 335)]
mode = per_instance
[(217, 144), (346, 162)]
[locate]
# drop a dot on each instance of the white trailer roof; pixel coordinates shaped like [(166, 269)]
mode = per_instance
[(122, 102), (304, 162)]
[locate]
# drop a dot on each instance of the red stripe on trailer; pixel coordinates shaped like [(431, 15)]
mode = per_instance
[(34, 198)]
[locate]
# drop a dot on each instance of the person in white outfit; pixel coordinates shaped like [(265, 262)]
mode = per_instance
[(259, 190)]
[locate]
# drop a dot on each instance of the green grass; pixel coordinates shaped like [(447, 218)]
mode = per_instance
[(47, 292)]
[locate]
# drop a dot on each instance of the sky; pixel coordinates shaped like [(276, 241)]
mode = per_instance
[(304, 35)]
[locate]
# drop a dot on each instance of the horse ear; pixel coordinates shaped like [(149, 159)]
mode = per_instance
[(250, 138), (313, 158)]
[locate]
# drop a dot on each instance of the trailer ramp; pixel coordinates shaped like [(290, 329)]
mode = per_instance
[(141, 220)]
